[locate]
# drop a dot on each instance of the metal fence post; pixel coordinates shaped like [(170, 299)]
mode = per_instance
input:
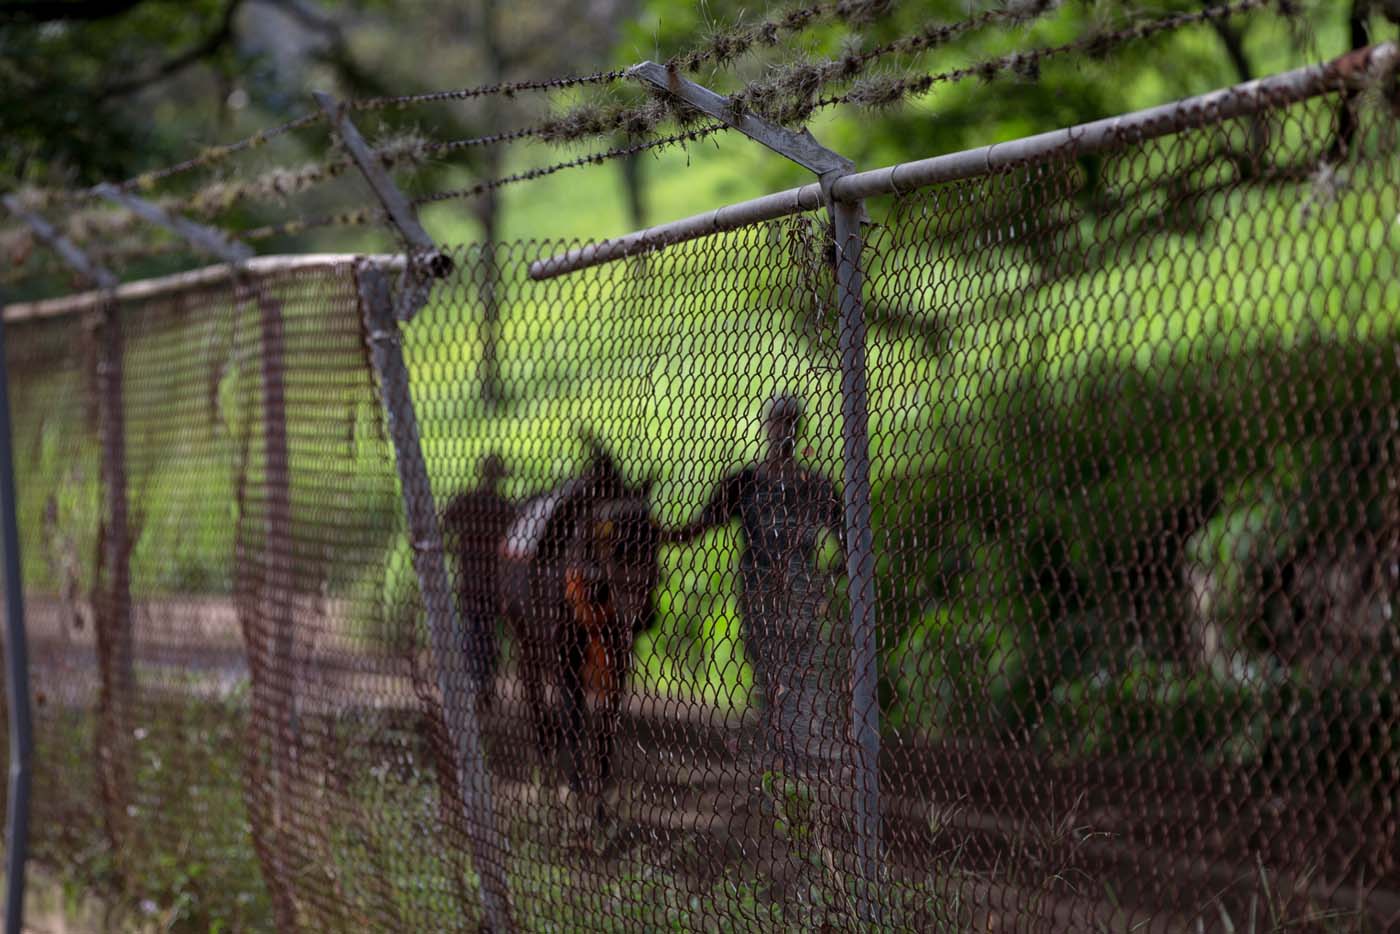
[(446, 637), (423, 260), (116, 649), (16, 670), (860, 552), (274, 686), (116, 639), (846, 217), (280, 582)]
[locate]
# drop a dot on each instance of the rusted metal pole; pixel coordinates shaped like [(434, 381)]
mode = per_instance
[(860, 550), (17, 686), (446, 636), (274, 681), (832, 169), (115, 635), (425, 261), (116, 648), (146, 290), (279, 547)]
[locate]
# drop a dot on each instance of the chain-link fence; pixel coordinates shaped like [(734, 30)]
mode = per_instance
[(1134, 432)]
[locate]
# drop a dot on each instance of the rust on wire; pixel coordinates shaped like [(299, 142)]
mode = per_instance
[(506, 88), (885, 91), (597, 158)]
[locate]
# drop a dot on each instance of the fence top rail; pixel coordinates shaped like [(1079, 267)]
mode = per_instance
[(214, 274), (1351, 69)]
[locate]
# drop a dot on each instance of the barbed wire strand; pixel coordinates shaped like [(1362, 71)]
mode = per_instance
[(885, 91), (146, 181), (505, 88), (597, 158), (359, 217), (720, 47), (371, 216), (802, 80), (729, 44), (99, 226)]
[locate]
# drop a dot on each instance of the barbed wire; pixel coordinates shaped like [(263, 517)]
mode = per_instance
[(99, 224), (785, 95), (789, 95), (597, 158), (39, 198), (732, 43), (505, 88), (105, 225), (126, 253), (214, 154), (576, 124), (359, 217), (720, 47), (121, 254), (884, 91)]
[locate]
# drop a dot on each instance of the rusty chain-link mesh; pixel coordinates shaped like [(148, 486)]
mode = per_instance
[(1134, 429)]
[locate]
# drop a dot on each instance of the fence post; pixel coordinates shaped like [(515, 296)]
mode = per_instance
[(16, 669), (116, 650), (116, 640), (279, 547), (275, 687), (279, 582), (446, 637), (846, 216), (860, 552)]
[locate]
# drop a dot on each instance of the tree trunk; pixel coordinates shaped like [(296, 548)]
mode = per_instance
[(488, 213), (634, 189)]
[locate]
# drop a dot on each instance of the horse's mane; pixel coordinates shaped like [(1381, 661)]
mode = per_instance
[(546, 521)]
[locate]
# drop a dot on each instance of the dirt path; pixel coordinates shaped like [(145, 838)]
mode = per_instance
[(1000, 811)]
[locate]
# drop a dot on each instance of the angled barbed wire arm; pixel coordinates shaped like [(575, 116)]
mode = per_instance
[(274, 696), (425, 261), (446, 636), (847, 217), (115, 636)]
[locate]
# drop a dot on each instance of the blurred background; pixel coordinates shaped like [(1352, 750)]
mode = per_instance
[(95, 91)]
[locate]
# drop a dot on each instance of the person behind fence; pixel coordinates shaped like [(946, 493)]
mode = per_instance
[(473, 524), (782, 506)]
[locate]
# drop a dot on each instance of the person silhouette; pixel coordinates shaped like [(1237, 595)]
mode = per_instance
[(782, 507), (473, 524)]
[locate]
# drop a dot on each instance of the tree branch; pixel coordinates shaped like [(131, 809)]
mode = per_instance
[(216, 40), (1234, 47), (48, 11)]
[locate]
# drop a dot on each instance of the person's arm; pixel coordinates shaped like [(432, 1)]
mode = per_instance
[(719, 510)]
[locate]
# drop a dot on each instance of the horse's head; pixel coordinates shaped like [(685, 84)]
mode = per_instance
[(621, 542), (612, 565)]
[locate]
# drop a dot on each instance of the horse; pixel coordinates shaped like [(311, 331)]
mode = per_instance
[(577, 572)]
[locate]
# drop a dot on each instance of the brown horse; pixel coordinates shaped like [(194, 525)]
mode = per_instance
[(577, 570)]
